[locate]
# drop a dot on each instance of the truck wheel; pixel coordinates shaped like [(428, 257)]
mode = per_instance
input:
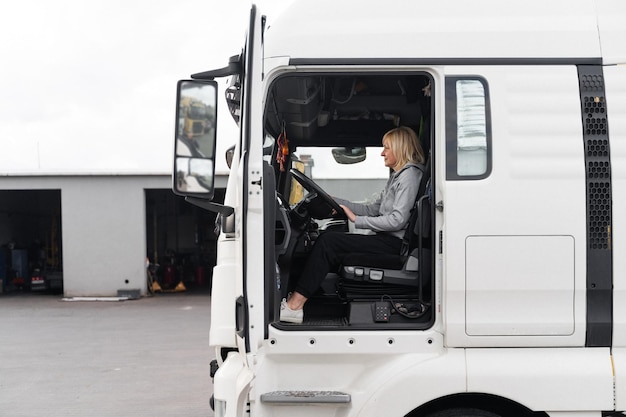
[(463, 412)]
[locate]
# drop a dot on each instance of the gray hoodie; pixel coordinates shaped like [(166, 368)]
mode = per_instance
[(391, 211)]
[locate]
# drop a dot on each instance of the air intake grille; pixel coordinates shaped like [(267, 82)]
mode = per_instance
[(599, 209), (597, 159)]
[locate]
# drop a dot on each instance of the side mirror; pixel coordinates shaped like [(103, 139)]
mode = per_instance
[(196, 123), (349, 155)]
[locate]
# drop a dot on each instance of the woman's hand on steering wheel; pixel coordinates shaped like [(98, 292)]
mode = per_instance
[(349, 213)]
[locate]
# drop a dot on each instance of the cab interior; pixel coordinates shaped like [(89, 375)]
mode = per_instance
[(323, 137)]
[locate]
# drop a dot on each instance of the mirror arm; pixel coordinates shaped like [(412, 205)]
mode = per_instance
[(211, 206), (234, 67)]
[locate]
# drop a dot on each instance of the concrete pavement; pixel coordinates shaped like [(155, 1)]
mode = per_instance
[(146, 357)]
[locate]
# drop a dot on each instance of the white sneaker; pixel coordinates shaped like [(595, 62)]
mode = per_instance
[(289, 315)]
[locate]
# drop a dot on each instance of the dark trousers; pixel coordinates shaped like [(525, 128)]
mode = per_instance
[(330, 249)]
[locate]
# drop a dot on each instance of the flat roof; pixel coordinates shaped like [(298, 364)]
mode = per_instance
[(443, 29)]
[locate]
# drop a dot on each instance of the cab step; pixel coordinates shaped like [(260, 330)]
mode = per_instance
[(306, 397)]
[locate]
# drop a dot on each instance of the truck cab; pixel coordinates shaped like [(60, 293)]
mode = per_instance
[(508, 274)]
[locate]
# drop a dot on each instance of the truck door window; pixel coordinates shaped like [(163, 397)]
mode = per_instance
[(467, 129)]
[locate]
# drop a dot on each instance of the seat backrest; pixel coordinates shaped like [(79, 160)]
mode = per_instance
[(416, 221)]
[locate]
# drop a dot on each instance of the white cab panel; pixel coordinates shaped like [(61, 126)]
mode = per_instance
[(615, 83), (536, 188), (528, 288), (544, 379)]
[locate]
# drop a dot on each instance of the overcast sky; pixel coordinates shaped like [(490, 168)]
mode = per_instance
[(89, 86)]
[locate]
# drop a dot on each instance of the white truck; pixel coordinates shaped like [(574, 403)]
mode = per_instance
[(511, 297)]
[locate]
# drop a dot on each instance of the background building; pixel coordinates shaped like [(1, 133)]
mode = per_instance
[(95, 232)]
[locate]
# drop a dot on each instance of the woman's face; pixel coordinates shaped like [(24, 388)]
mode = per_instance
[(388, 155)]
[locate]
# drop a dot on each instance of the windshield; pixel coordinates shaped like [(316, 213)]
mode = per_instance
[(360, 182)]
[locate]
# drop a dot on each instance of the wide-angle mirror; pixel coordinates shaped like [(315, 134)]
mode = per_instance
[(194, 175)]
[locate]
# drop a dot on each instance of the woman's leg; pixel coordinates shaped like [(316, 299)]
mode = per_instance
[(327, 254)]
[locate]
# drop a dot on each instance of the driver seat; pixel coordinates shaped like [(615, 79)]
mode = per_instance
[(368, 275), (365, 276)]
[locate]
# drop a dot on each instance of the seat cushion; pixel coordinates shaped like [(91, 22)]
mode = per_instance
[(381, 261)]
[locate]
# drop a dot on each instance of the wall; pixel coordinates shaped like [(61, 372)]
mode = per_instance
[(104, 229), (104, 235)]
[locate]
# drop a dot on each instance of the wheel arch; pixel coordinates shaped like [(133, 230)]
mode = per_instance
[(486, 402)]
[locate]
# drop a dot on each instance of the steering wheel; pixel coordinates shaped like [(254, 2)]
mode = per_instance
[(316, 191)]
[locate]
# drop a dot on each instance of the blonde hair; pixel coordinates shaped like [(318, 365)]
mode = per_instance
[(405, 146)]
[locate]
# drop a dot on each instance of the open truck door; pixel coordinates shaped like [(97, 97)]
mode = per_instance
[(234, 377), (194, 173)]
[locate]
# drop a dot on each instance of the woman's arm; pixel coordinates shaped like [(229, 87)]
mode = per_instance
[(370, 209)]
